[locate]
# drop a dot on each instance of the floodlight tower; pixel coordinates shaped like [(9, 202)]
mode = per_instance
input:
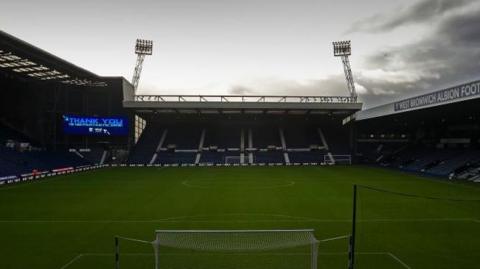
[(142, 48), (343, 49)]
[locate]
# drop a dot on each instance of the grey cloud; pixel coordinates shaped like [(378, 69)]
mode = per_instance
[(333, 85), (423, 11), (449, 56), (241, 90), (463, 30), (371, 91)]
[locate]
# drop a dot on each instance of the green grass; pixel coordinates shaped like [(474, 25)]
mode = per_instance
[(70, 222)]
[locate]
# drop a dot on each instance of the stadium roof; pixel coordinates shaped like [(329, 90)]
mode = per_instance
[(444, 97), (240, 104), (24, 60)]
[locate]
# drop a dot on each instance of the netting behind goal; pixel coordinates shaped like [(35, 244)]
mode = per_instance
[(337, 159), (232, 160), (235, 249)]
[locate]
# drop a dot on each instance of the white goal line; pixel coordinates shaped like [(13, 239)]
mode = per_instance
[(105, 254)]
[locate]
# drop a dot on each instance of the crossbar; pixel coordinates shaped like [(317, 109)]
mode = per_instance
[(233, 231)]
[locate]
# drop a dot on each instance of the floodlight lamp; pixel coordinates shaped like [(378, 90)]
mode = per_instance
[(144, 47), (342, 48)]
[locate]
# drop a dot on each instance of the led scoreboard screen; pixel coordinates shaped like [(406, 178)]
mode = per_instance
[(101, 126)]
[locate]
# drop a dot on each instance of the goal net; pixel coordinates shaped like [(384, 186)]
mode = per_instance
[(235, 249), (232, 159), (337, 159)]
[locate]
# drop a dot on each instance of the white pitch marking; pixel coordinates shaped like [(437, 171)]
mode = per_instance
[(72, 261), (391, 255), (234, 254), (399, 261), (237, 221), (334, 238)]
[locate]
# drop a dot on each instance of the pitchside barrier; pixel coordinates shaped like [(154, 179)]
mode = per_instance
[(219, 164), (339, 159), (38, 175)]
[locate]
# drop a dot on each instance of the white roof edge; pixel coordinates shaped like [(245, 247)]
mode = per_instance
[(455, 94)]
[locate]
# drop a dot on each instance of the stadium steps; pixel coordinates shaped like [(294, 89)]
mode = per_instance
[(284, 145), (250, 145), (159, 146), (242, 146), (104, 157), (200, 146), (143, 151), (325, 145)]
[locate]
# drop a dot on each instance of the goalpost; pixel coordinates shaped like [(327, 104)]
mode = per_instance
[(231, 249), (337, 159), (232, 160), (230, 241)]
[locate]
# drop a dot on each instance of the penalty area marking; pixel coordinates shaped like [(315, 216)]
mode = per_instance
[(398, 260), (389, 254), (265, 218), (191, 218), (72, 261)]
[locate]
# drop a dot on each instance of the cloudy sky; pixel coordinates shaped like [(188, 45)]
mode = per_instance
[(400, 48)]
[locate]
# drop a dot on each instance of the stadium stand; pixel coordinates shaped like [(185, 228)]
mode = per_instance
[(95, 155), (38, 89), (19, 157), (438, 162), (193, 143), (439, 140), (298, 138), (163, 129), (221, 145), (145, 147), (453, 161)]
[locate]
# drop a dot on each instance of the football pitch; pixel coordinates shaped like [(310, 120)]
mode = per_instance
[(70, 222)]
